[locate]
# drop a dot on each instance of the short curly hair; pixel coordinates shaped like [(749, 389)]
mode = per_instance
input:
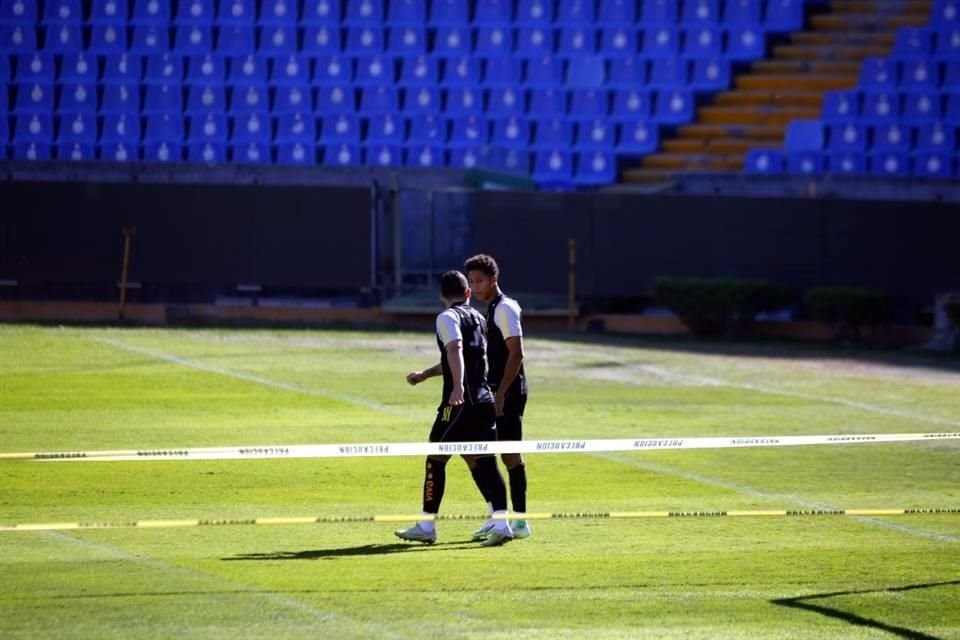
[(482, 262), (453, 285)]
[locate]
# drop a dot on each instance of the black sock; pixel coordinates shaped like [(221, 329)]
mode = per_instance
[(518, 487), (478, 480), (490, 476), (434, 482)]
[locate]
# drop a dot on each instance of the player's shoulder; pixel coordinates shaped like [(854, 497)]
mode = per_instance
[(448, 315), (509, 304)]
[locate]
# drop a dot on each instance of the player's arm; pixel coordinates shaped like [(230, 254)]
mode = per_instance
[(510, 370), (455, 358), (416, 377)]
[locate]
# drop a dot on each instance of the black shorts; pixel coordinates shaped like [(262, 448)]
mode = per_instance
[(510, 424), (465, 423)]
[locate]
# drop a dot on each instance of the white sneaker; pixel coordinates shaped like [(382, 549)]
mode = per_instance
[(417, 534), (521, 529), (483, 532), (498, 537)]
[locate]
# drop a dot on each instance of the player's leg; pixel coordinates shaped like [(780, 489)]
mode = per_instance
[(434, 484), (510, 428)]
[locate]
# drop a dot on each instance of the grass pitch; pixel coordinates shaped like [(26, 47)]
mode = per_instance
[(813, 577)]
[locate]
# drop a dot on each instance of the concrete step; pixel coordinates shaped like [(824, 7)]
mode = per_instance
[(771, 132), (842, 38), (755, 115), (854, 22), (828, 67), (779, 98), (655, 176), (840, 52), (723, 162), (882, 6), (794, 82), (715, 145)]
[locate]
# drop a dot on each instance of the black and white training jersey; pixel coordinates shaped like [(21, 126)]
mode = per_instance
[(463, 322), (503, 321)]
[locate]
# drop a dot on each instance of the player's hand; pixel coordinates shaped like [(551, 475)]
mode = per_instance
[(415, 377), (498, 401), (456, 397)]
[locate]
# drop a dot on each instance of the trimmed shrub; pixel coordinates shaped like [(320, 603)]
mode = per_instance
[(848, 309), (715, 307)]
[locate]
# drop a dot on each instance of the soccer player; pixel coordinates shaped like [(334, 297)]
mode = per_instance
[(507, 379), (466, 412)]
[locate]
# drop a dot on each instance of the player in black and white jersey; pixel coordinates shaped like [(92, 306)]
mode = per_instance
[(507, 379), (466, 413)]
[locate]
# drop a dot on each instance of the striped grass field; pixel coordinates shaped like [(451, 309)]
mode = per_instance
[(776, 577)]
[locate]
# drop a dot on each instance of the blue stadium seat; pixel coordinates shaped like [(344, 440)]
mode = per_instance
[(321, 12), (382, 155), (202, 99), (589, 104), (108, 12), (452, 41), (36, 67), (206, 69), (292, 70), (421, 100), (163, 68), (465, 157), (553, 168), (661, 41), (64, 38), (296, 153), (163, 98), (332, 71), (292, 98), (378, 100), (931, 165), (913, 43), (406, 12), (502, 102), (120, 128), (597, 134), (659, 12), (669, 73), (674, 107), (595, 168), (296, 127), (703, 42), (425, 156), (742, 12), (78, 97), (34, 97), (631, 104), (248, 69), (544, 72), (880, 107), (278, 40), (493, 40), (840, 106), (336, 99), (948, 43), (122, 68), (764, 162), (4, 109), (618, 41), (77, 127), (251, 153), (511, 132), (574, 13), (18, 12), (945, 12), (409, 40), (805, 162), (890, 164), (74, 67), (891, 137), (340, 128), (427, 130), (879, 74), (534, 13), (34, 127), (321, 40), (804, 135), (195, 12), (952, 114), (493, 12), (701, 12), (235, 40), (343, 155), (254, 127), (444, 13), (364, 13), (577, 41), (850, 163), (163, 152), (534, 42), (552, 133), (461, 72), (419, 72), (385, 129), (951, 76), (236, 13), (627, 72), (151, 12), (710, 74), (501, 72), (365, 40), (6, 73), (31, 151), (547, 103), (745, 43), (279, 13), (108, 39), (375, 70), (508, 160), (207, 152), (636, 137), (463, 101), (919, 75), (850, 136), (922, 107), (783, 15), (4, 137), (149, 39), (119, 98), (470, 131), (586, 72), (937, 138), (76, 152)]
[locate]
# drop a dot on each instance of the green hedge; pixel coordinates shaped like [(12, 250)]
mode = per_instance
[(716, 307), (849, 309)]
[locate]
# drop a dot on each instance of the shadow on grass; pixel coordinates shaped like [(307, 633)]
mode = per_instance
[(362, 550), (804, 603)]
